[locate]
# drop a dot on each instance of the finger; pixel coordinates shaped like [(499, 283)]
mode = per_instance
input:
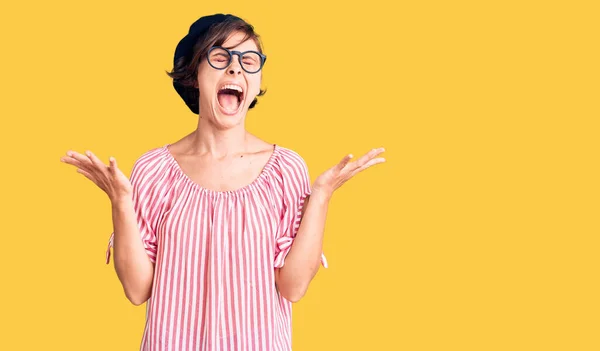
[(69, 160), (95, 160), (368, 157), (87, 175), (369, 164), (74, 162), (113, 165), (81, 158), (344, 162)]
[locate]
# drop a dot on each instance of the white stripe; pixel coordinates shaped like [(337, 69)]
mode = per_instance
[(227, 244)]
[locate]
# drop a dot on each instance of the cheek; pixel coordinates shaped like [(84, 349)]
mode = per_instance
[(201, 75), (206, 81), (255, 85)]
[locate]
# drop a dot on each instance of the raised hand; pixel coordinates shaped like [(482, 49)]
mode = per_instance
[(108, 178), (339, 174)]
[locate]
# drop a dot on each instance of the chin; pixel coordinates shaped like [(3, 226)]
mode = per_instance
[(228, 119)]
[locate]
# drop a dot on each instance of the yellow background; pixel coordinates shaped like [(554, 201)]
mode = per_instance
[(479, 233)]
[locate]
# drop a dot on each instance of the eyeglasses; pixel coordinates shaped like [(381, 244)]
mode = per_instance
[(251, 61)]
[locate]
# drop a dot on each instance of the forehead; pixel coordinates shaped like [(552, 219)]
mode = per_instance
[(234, 42)]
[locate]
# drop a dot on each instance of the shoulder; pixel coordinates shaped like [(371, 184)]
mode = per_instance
[(150, 163), (293, 171), (291, 161), (285, 156)]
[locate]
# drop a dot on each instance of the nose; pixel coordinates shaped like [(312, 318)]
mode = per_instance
[(234, 66)]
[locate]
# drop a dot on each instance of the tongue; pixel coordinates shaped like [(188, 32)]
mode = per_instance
[(228, 101)]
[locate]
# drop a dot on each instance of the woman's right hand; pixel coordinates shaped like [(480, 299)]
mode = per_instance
[(108, 178)]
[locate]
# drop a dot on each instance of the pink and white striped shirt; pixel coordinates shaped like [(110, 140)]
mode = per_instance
[(215, 254)]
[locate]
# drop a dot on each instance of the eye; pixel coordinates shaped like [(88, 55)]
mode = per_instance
[(251, 59), (219, 57)]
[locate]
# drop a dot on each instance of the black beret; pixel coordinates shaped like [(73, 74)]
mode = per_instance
[(185, 48)]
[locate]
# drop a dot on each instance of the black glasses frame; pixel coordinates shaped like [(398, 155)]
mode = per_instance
[(263, 58)]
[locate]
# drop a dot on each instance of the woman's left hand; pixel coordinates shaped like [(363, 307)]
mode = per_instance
[(337, 175)]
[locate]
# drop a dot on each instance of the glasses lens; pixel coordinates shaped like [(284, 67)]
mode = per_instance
[(219, 58), (251, 62)]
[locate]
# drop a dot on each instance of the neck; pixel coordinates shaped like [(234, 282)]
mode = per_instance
[(218, 142)]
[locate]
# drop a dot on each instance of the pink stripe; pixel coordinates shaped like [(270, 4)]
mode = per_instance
[(215, 254)]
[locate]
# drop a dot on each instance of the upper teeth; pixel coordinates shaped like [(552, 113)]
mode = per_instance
[(232, 87)]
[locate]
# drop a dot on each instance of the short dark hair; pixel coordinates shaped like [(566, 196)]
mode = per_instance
[(185, 70)]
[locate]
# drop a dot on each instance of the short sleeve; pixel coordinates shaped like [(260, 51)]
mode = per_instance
[(145, 206), (296, 189)]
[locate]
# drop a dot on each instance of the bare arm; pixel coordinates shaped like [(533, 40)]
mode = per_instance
[(132, 264), (303, 261), (304, 258)]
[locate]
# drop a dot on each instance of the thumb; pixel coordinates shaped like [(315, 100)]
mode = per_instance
[(113, 165), (344, 162)]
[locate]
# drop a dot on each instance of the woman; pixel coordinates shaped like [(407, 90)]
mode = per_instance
[(220, 232)]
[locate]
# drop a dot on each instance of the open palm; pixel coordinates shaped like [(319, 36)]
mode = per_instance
[(108, 178), (339, 174)]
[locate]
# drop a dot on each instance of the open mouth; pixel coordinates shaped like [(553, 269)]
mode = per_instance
[(230, 98)]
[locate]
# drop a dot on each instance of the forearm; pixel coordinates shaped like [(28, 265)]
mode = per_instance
[(304, 259), (132, 264)]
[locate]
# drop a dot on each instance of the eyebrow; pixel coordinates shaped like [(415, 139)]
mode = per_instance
[(231, 49)]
